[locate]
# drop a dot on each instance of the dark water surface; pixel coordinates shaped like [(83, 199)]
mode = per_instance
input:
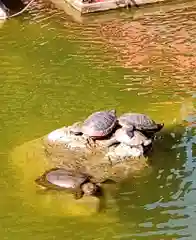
[(55, 71)]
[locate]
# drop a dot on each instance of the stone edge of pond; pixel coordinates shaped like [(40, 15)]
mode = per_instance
[(86, 7)]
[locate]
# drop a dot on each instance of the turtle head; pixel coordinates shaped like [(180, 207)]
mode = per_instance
[(89, 188), (129, 128), (76, 128), (160, 126), (113, 111)]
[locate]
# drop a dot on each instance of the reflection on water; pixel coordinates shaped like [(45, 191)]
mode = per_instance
[(168, 198), (55, 71)]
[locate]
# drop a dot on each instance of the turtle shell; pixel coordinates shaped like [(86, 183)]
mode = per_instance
[(131, 138), (139, 121), (100, 124), (124, 135), (139, 139), (61, 178)]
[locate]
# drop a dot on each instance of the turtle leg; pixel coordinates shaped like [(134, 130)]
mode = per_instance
[(111, 142), (137, 151), (141, 149), (91, 142), (147, 142), (78, 193), (102, 204)]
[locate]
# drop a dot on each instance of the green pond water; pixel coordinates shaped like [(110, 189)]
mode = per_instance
[(55, 71)]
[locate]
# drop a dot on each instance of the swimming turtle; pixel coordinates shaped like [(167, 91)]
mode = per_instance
[(140, 122), (62, 179), (97, 125), (130, 137)]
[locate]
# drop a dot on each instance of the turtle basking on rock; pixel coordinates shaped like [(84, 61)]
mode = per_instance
[(140, 122), (83, 134), (61, 179), (129, 137), (97, 125)]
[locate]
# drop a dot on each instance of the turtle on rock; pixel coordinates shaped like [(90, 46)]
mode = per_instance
[(130, 137), (97, 125), (140, 122), (61, 179)]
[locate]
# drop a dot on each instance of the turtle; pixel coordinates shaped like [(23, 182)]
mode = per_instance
[(97, 125), (140, 122), (61, 179), (130, 137)]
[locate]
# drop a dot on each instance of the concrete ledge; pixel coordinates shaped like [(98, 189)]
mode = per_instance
[(106, 5), (103, 5), (101, 17)]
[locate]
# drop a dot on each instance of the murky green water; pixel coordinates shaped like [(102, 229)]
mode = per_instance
[(55, 71)]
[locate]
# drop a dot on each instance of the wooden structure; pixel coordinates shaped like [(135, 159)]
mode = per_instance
[(152, 9), (85, 6)]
